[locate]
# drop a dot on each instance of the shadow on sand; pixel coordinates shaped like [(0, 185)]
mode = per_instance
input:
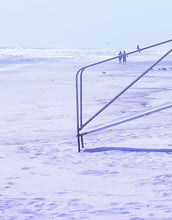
[(129, 149)]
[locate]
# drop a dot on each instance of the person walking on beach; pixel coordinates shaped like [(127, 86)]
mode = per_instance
[(120, 58), (138, 48), (124, 57)]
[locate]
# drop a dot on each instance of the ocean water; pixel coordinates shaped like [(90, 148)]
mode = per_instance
[(24, 56), (21, 56)]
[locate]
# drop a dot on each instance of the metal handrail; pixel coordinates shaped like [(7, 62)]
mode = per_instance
[(125, 89), (127, 119), (79, 79)]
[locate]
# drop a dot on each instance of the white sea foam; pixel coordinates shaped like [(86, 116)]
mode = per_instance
[(24, 56)]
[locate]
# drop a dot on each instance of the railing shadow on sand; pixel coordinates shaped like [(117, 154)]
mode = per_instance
[(128, 149)]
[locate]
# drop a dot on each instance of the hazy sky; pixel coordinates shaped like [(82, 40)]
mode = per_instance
[(84, 23)]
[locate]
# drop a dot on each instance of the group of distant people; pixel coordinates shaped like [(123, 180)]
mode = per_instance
[(123, 56)]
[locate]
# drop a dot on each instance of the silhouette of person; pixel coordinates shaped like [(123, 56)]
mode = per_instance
[(138, 48), (120, 58), (124, 57)]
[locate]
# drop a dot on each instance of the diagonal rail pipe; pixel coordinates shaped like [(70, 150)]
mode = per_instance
[(157, 109)]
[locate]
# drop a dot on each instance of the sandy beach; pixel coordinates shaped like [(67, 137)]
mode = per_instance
[(42, 175)]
